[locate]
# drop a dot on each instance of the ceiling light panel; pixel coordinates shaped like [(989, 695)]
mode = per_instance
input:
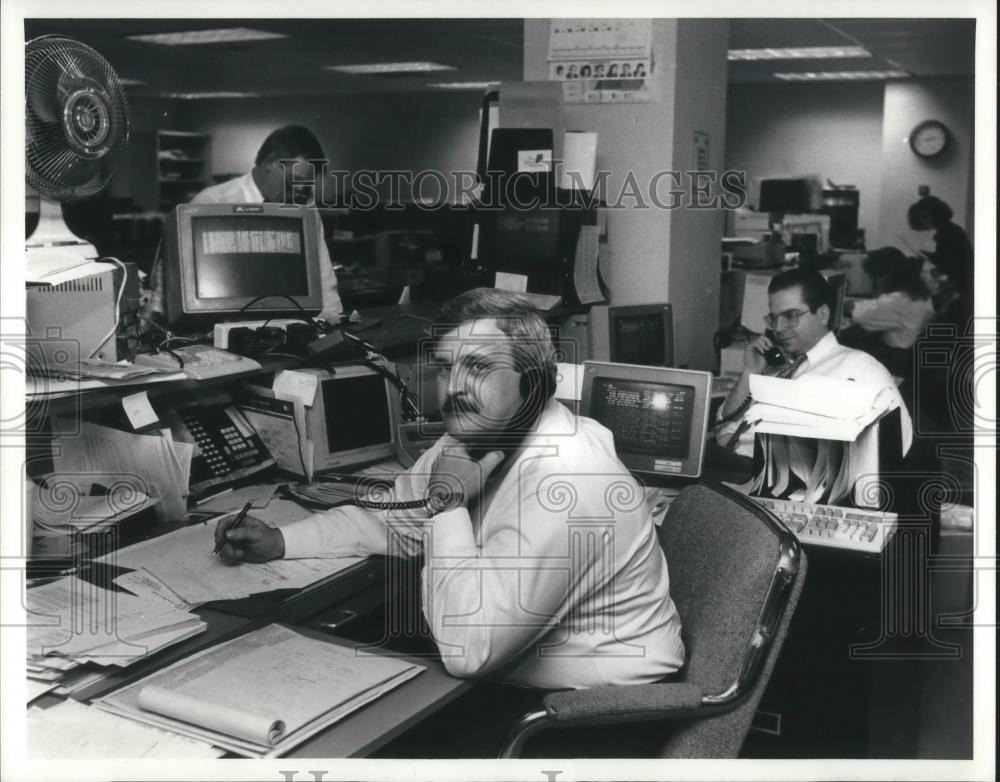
[(377, 68), (842, 75), (465, 85), (800, 53), (222, 35)]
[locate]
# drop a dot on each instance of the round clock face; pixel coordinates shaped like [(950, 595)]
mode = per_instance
[(929, 138)]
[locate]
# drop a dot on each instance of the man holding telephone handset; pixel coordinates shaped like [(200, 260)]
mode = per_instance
[(798, 342), (505, 508)]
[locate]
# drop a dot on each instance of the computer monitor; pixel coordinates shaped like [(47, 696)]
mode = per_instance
[(219, 258), (641, 334), (658, 416), (797, 195), (349, 416), (360, 413)]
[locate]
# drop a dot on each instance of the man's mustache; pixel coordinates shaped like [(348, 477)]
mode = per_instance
[(459, 404)]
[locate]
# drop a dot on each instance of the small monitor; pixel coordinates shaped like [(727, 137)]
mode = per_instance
[(642, 334), (219, 258), (360, 413), (658, 416)]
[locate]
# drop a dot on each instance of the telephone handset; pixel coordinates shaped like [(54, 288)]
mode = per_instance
[(772, 355), (228, 447)]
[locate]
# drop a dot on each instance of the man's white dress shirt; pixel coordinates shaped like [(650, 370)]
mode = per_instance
[(554, 580), (243, 190)]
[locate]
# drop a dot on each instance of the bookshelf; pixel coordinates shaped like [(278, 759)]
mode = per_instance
[(183, 166)]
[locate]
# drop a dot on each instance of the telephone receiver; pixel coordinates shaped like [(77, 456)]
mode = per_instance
[(772, 355)]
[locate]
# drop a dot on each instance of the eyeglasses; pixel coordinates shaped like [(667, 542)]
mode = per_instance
[(789, 318)]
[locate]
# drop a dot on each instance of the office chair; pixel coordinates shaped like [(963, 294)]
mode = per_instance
[(736, 574)]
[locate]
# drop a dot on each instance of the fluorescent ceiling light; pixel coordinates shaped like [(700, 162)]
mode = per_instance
[(203, 95), (390, 67), (799, 53), (465, 85), (842, 75), (130, 82), (223, 35)]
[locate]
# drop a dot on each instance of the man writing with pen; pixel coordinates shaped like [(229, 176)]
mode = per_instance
[(492, 507)]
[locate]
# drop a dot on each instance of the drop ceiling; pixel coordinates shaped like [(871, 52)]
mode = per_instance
[(478, 49)]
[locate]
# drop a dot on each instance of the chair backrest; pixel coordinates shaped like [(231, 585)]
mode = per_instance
[(723, 552)]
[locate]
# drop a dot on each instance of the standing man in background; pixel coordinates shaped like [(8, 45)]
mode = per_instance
[(265, 183)]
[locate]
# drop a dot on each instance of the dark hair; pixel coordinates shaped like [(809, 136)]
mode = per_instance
[(893, 271), (937, 211), (289, 142), (516, 317), (815, 290)]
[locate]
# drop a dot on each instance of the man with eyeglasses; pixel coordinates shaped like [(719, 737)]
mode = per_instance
[(799, 303)]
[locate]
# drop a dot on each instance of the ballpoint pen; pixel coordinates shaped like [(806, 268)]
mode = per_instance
[(236, 524)]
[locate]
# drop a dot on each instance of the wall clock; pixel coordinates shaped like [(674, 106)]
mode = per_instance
[(929, 138)]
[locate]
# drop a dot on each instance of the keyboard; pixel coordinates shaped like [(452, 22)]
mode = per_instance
[(201, 362), (854, 529)]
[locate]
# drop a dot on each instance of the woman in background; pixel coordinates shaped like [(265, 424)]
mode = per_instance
[(899, 313)]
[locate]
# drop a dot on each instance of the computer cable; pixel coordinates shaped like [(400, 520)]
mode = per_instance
[(118, 304)]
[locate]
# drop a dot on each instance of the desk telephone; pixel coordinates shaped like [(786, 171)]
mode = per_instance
[(229, 448)]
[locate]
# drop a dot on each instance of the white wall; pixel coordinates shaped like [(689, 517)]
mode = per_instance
[(654, 254), (834, 130), (907, 104)]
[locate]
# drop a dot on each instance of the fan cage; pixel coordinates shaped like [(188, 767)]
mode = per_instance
[(76, 118)]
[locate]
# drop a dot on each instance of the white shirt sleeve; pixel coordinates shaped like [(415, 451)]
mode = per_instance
[(882, 314), (333, 308)]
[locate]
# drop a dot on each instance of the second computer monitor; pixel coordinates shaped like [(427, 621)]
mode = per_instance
[(658, 416), (641, 334)]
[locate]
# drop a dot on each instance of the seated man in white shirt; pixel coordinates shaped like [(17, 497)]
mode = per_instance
[(531, 575), (799, 303), (266, 183)]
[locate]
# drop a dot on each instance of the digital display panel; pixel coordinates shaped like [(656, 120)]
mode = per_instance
[(654, 419), (639, 339), (249, 256), (357, 412)]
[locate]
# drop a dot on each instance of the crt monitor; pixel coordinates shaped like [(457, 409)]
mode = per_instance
[(359, 411), (219, 258), (800, 195), (641, 334), (658, 416)]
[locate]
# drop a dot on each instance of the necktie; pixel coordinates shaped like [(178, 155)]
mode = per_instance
[(787, 370)]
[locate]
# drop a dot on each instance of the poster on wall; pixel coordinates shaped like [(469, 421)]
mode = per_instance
[(602, 60)]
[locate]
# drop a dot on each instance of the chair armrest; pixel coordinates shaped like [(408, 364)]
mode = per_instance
[(632, 703)]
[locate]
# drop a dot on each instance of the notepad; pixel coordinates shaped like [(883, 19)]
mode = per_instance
[(261, 694)]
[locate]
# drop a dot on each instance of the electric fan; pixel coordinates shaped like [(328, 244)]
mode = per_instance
[(76, 130)]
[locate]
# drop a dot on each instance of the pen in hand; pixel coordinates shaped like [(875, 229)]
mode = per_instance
[(236, 524)]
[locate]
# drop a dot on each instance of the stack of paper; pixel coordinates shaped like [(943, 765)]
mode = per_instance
[(158, 466), (261, 694), (73, 622), (71, 730), (817, 407)]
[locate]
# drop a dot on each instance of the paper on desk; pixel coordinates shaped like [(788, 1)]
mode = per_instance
[(139, 411), (295, 386), (72, 730), (157, 464), (74, 617), (183, 560), (35, 689), (66, 501), (234, 500), (235, 692)]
